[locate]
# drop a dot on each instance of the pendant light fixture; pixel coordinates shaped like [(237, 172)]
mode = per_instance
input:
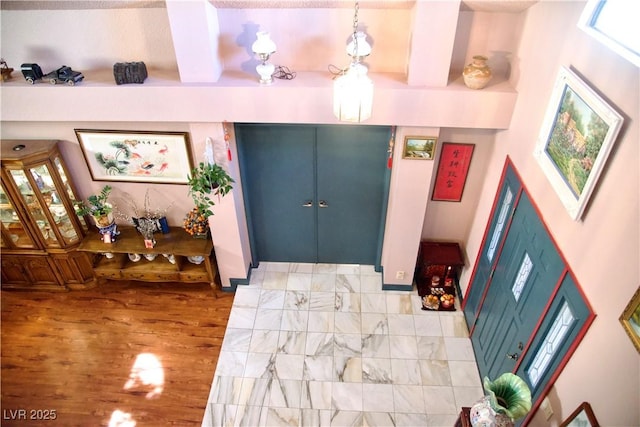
[(353, 89)]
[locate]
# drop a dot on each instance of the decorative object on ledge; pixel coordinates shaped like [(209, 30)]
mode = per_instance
[(64, 74), (419, 147), (171, 258), (129, 72), (508, 399), (264, 47), (146, 228), (452, 171), (133, 156), (583, 416), (6, 70), (196, 259), (630, 319), (353, 89), (101, 211), (196, 224), (577, 135), (477, 74)]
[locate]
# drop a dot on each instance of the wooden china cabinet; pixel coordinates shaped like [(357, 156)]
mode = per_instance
[(39, 227)]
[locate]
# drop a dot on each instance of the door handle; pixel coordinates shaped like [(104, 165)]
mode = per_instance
[(323, 204), (307, 204), (513, 356)]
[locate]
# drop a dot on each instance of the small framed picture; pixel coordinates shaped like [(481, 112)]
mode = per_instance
[(582, 417), (419, 147)]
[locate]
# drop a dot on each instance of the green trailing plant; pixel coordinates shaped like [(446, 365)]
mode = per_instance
[(205, 181), (96, 204)]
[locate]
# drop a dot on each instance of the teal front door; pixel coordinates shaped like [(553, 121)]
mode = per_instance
[(525, 312), (526, 274), (314, 193)]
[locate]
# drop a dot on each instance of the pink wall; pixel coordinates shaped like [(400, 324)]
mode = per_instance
[(603, 248)]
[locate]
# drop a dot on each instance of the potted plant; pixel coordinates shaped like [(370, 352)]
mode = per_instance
[(205, 181), (98, 207)]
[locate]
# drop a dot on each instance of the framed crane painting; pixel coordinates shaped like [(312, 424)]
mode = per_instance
[(132, 156)]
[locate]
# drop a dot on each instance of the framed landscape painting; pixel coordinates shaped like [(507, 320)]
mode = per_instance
[(577, 135), (419, 147), (151, 157)]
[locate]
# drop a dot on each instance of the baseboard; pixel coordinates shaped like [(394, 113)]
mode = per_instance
[(238, 282)]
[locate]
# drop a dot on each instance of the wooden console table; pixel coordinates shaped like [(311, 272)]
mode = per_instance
[(112, 260)]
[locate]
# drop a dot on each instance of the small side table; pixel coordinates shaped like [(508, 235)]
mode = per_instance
[(464, 419), (441, 259)]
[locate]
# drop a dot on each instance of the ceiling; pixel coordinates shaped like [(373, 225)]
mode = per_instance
[(513, 6)]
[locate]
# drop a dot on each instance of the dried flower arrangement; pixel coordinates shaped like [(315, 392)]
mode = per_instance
[(125, 209)]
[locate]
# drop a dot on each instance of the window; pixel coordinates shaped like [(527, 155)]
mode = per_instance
[(502, 219), (521, 278), (614, 23), (551, 343)]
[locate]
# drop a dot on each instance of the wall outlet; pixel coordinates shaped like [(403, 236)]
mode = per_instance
[(399, 274), (545, 405)]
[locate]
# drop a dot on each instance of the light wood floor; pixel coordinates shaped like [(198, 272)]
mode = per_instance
[(73, 353)]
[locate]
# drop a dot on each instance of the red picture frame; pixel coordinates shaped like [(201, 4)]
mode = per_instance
[(452, 171)]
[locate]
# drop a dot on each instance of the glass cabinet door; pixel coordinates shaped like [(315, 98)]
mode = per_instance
[(54, 204), (67, 186), (12, 228), (35, 208)]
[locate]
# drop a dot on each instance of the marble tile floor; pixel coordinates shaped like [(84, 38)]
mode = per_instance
[(324, 345)]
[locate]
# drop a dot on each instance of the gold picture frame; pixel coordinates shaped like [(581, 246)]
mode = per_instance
[(630, 319), (583, 416), (419, 147)]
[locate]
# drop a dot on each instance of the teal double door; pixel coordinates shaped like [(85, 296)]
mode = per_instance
[(314, 193)]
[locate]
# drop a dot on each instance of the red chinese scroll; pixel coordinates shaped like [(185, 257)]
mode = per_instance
[(452, 171)]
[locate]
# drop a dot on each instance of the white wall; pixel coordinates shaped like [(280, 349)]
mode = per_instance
[(603, 249)]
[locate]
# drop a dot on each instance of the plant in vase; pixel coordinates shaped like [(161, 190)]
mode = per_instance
[(98, 207), (205, 181), (508, 399), (101, 211)]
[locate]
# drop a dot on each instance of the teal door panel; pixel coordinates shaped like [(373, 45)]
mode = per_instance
[(314, 193), (278, 174), (569, 315), (350, 181), (495, 234), (526, 273)]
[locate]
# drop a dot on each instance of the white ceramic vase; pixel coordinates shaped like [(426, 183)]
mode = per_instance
[(483, 415)]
